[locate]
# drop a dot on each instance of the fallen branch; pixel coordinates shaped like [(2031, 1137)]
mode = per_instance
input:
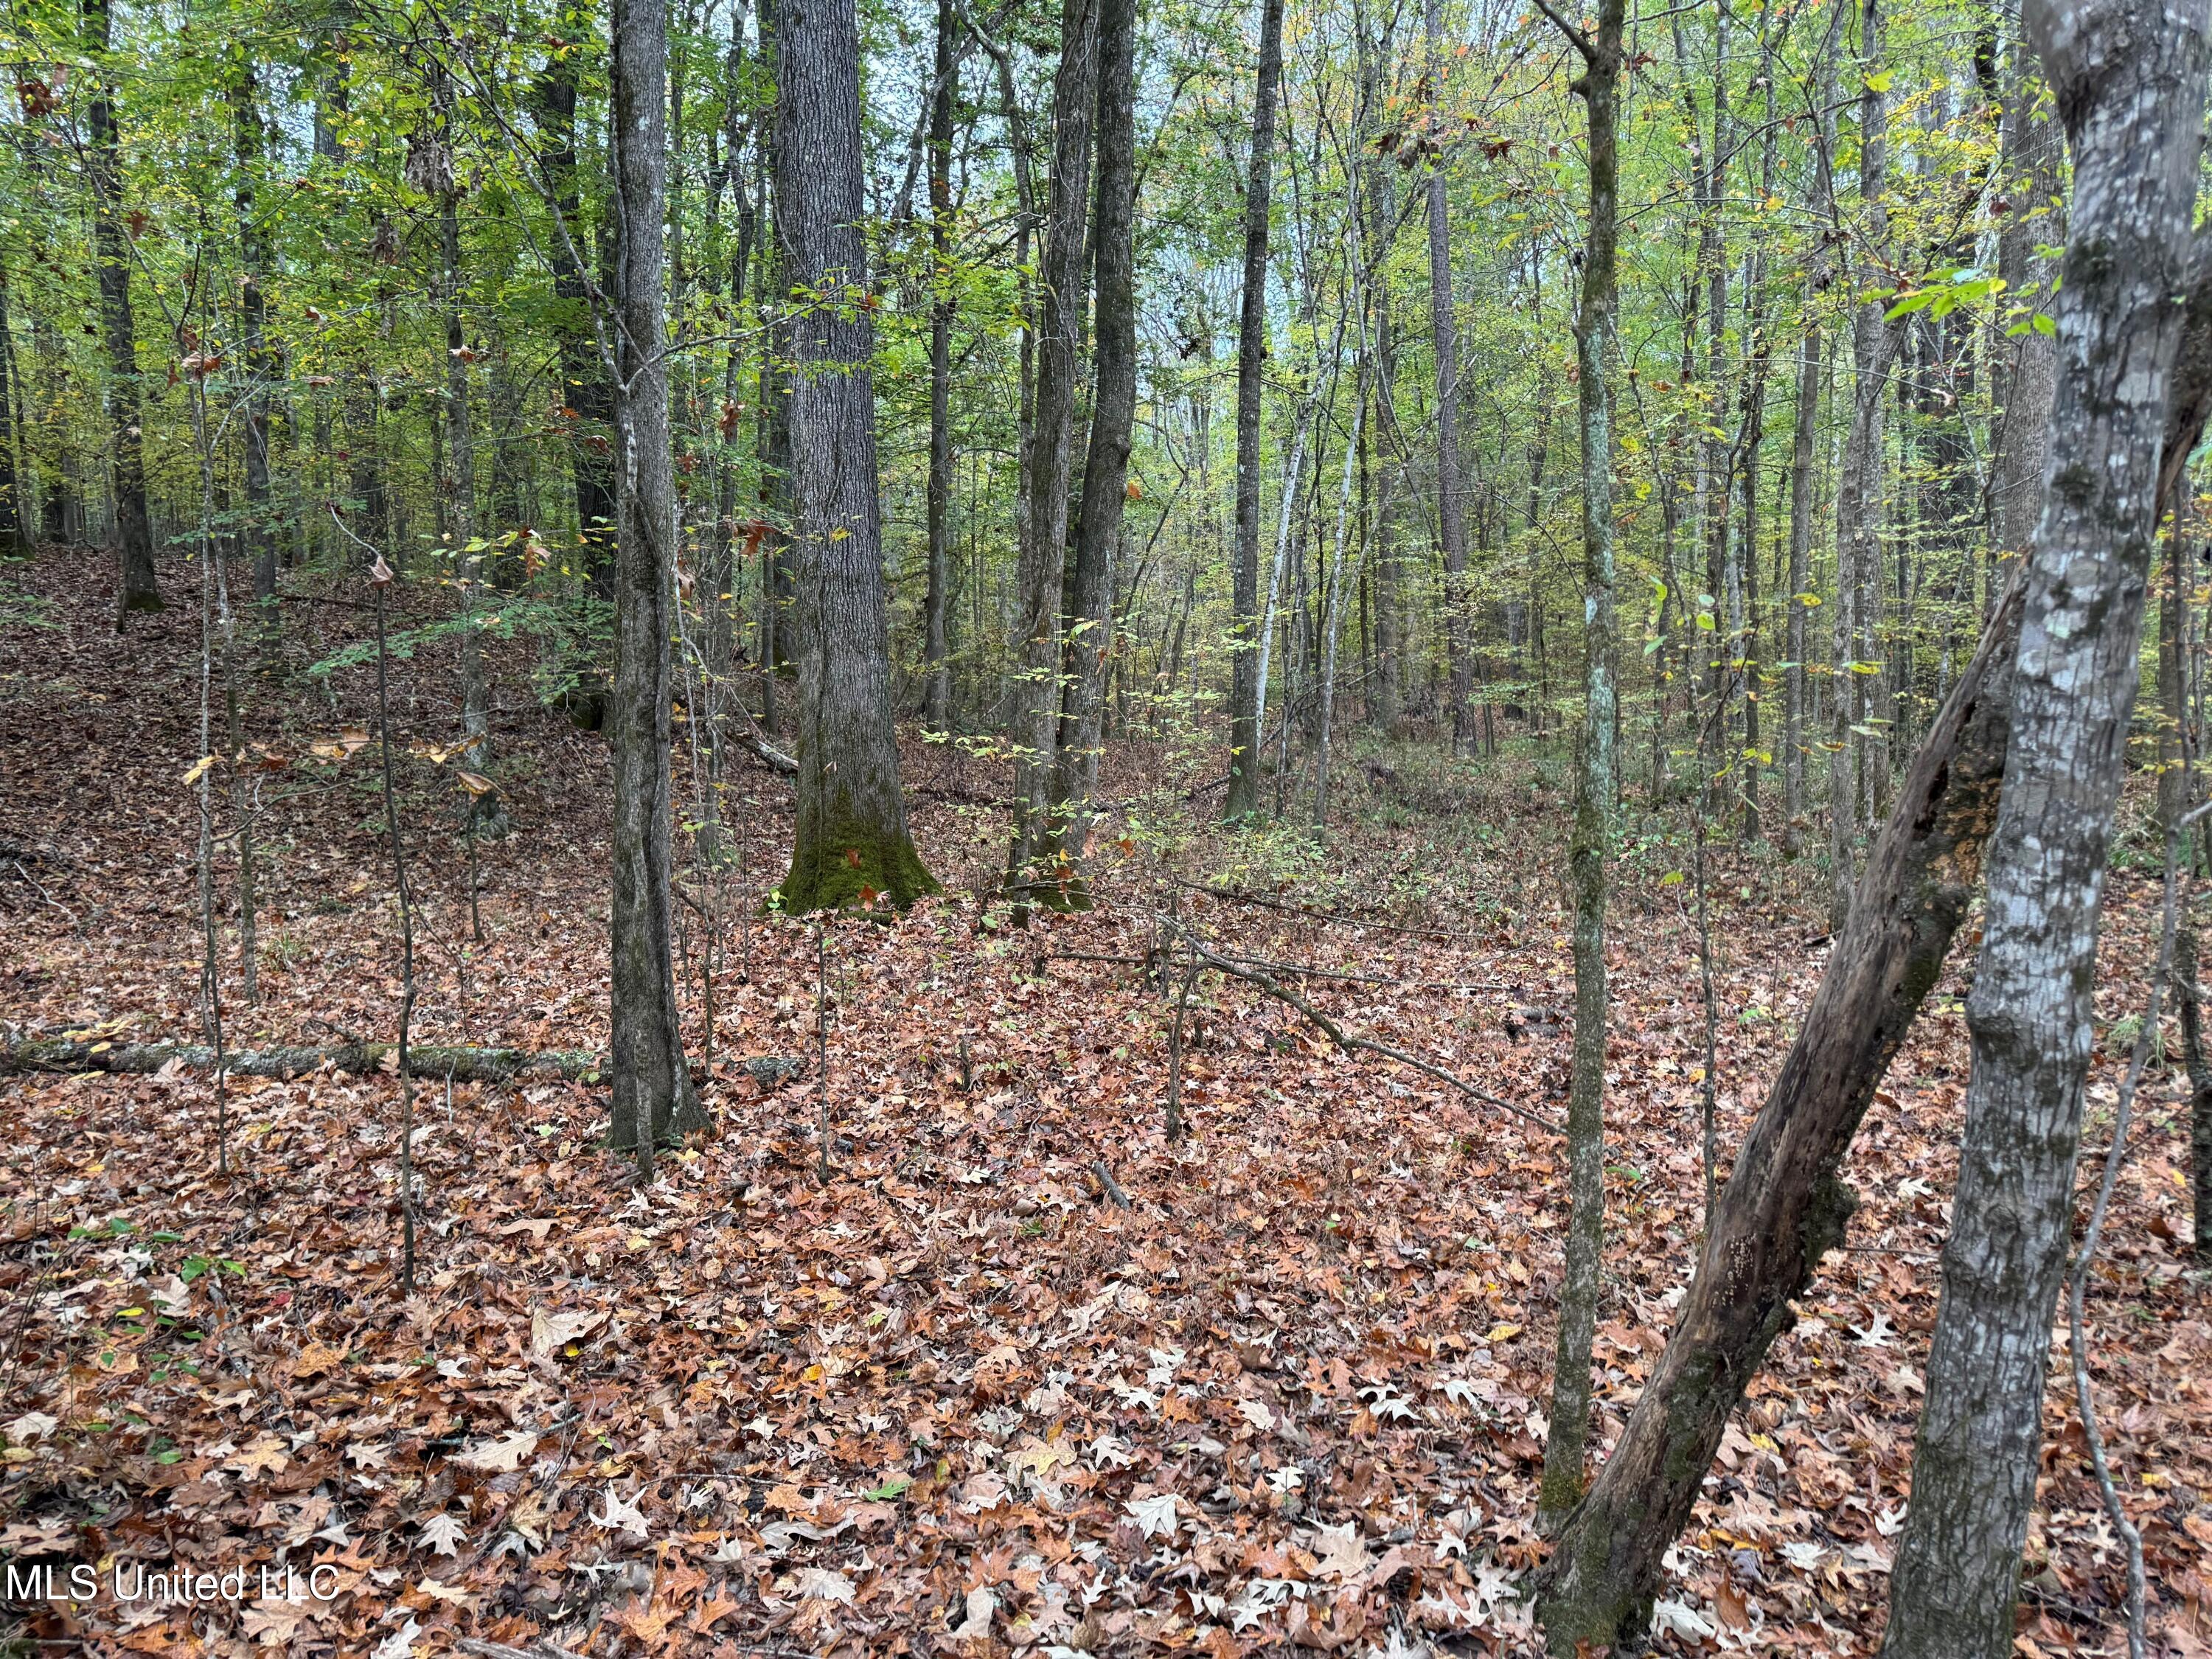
[(1344, 1039), (1121, 1200), (21, 1052)]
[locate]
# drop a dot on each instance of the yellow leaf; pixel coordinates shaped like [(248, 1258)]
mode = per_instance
[(199, 770), (1503, 1333)]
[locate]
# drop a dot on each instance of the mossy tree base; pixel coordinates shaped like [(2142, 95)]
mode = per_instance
[(844, 862)]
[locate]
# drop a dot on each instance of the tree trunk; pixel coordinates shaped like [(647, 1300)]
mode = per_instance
[(16, 535), (1563, 1450), (937, 695), (1783, 1206), (458, 487), (1804, 433), (851, 842), (588, 394), (2026, 358), (1043, 557), (2189, 1000), (1244, 733), (2129, 79), (652, 1094), (1451, 503), (1855, 767), (260, 363), (1105, 467), (111, 242)]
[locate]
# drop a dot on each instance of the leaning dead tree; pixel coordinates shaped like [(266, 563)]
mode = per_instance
[(1785, 1206)]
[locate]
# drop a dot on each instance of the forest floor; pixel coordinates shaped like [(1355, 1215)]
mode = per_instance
[(956, 1397)]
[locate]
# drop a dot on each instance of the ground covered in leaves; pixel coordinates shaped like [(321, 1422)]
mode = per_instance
[(1021, 1375)]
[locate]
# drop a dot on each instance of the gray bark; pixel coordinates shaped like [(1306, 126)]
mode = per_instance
[(1858, 775), (22, 1051), (15, 534), (249, 146), (652, 1094), (1591, 844), (586, 391), (1811, 365), (851, 844), (2129, 76)]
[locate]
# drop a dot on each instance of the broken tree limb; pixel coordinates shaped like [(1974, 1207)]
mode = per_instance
[(1783, 1206), (1342, 1038), (22, 1052)]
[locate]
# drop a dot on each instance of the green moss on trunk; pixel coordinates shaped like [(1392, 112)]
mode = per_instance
[(849, 862)]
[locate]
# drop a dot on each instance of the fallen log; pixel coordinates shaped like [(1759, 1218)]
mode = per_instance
[(24, 1052)]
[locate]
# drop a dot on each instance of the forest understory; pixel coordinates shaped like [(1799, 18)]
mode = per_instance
[(1022, 1374)]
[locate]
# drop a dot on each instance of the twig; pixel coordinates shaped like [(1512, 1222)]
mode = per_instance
[(500, 1650), (379, 577), (1113, 1187), (1175, 1050), (1314, 913), (1344, 1039)]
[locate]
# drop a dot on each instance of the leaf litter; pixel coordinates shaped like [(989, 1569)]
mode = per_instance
[(956, 1399)]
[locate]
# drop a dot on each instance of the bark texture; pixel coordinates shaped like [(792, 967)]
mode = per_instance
[(851, 844), (2129, 80), (652, 1094), (1251, 364), (2189, 1000), (1565, 1449)]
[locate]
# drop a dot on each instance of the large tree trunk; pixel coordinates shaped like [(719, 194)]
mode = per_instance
[(1244, 734), (1451, 504), (1059, 879), (111, 242), (652, 1094), (851, 844), (1564, 1451), (2129, 76), (937, 670)]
